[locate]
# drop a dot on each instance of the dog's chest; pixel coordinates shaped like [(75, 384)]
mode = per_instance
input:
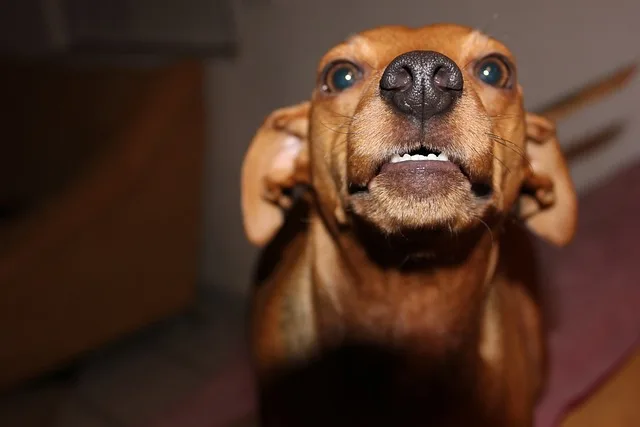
[(400, 310)]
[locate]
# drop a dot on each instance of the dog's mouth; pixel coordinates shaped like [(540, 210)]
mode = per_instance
[(423, 172), (422, 158)]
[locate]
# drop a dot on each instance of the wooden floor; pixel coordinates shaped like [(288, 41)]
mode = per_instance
[(616, 404)]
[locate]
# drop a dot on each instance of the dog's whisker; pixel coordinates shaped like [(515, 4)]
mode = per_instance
[(512, 146), (503, 117), (342, 142), (335, 113), (488, 229), (342, 123), (332, 129), (504, 165), (336, 125)]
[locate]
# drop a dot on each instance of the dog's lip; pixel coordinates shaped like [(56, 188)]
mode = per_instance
[(451, 165), (400, 172), (430, 165)]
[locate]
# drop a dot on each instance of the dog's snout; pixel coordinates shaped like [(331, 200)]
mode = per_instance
[(421, 84)]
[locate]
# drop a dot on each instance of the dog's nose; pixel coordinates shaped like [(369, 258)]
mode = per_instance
[(421, 84)]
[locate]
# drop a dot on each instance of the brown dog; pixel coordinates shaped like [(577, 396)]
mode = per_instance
[(398, 292)]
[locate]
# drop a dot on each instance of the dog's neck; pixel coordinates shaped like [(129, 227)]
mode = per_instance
[(433, 306), (410, 337)]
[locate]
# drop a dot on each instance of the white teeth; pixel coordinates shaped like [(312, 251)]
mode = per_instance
[(406, 157)]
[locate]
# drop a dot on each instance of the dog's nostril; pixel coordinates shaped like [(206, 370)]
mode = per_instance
[(398, 81), (446, 80)]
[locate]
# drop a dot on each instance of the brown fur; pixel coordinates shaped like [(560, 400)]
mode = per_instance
[(385, 308)]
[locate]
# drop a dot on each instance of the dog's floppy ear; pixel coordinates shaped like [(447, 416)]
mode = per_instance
[(277, 160), (548, 203)]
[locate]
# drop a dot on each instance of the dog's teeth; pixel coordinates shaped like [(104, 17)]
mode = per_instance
[(418, 157)]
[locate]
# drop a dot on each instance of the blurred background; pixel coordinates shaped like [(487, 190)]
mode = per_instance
[(124, 269)]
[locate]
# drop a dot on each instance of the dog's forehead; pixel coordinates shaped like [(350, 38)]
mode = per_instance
[(380, 45), (438, 33)]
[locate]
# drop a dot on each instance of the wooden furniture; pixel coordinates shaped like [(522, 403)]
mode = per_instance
[(100, 205)]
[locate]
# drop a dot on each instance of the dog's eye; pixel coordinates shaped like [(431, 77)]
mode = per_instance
[(494, 71), (340, 76)]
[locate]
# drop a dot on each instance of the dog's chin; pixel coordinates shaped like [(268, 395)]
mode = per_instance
[(417, 196)]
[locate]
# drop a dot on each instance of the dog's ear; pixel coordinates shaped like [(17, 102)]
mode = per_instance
[(277, 160), (548, 203)]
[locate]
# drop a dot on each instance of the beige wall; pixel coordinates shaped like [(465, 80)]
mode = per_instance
[(559, 44)]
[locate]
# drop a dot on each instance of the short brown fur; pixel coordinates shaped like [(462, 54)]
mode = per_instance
[(383, 308)]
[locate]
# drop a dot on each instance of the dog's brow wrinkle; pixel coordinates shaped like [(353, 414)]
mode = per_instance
[(473, 39)]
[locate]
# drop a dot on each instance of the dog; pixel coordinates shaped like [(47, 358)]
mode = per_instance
[(395, 210)]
